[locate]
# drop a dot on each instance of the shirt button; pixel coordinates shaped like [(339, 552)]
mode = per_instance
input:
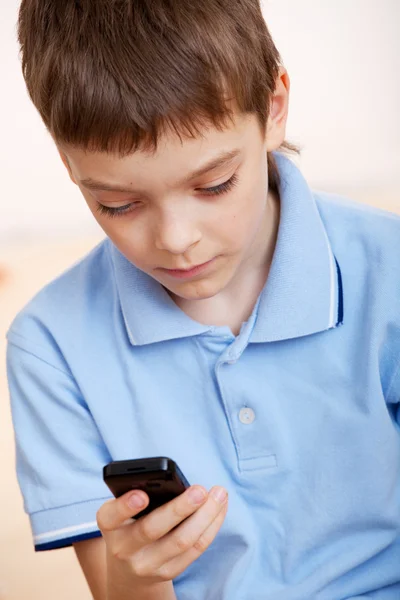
[(247, 416)]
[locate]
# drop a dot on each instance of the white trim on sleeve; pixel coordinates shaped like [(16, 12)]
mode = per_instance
[(63, 532)]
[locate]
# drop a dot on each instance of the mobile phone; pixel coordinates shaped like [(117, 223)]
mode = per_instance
[(159, 477)]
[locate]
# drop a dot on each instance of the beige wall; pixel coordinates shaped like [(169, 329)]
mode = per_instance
[(344, 60)]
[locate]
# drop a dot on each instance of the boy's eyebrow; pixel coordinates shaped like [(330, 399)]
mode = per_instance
[(218, 161)]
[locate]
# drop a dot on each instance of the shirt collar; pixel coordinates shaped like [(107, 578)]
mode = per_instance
[(303, 294)]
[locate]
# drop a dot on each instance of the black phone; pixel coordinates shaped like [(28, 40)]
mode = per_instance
[(159, 477)]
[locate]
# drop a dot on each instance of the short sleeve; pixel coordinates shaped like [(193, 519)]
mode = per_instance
[(59, 451)]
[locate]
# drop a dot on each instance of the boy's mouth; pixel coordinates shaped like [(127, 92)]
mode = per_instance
[(187, 273)]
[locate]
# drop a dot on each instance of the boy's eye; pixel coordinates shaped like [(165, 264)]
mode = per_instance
[(222, 188), (115, 212)]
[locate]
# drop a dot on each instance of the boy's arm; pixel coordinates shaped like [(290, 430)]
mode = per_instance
[(92, 559)]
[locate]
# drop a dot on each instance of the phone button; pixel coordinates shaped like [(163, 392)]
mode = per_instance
[(247, 416)]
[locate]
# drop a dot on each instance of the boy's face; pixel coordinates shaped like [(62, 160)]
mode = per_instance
[(194, 232)]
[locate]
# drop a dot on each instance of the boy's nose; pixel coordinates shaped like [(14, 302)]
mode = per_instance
[(176, 235)]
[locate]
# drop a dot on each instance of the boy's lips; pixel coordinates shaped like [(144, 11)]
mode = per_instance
[(187, 273)]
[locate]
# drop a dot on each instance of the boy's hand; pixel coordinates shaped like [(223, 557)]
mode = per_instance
[(158, 547)]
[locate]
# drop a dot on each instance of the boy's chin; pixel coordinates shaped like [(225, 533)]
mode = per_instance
[(195, 290)]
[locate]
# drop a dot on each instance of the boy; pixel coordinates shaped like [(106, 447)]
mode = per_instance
[(233, 320)]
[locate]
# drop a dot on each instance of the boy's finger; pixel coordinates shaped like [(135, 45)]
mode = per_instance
[(113, 513), (189, 534), (158, 523), (177, 565)]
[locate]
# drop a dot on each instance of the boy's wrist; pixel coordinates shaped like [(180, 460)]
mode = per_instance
[(155, 591), (122, 586)]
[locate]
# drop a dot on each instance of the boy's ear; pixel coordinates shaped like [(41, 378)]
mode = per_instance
[(64, 158), (278, 112)]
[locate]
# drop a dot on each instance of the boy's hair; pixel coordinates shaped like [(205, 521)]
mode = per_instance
[(112, 75)]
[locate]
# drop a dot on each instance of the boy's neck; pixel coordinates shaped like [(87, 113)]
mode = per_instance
[(234, 305)]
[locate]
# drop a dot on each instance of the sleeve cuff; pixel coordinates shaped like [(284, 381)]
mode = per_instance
[(63, 526)]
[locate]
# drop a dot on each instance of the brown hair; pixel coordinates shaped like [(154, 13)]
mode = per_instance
[(112, 75)]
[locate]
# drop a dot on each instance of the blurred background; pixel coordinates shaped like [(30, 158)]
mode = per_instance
[(344, 61)]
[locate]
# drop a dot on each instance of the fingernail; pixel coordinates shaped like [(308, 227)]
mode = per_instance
[(219, 494), (196, 495), (136, 500)]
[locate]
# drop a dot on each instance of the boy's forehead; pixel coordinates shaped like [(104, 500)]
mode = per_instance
[(175, 156)]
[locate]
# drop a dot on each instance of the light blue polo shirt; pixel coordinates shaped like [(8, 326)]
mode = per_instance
[(296, 416)]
